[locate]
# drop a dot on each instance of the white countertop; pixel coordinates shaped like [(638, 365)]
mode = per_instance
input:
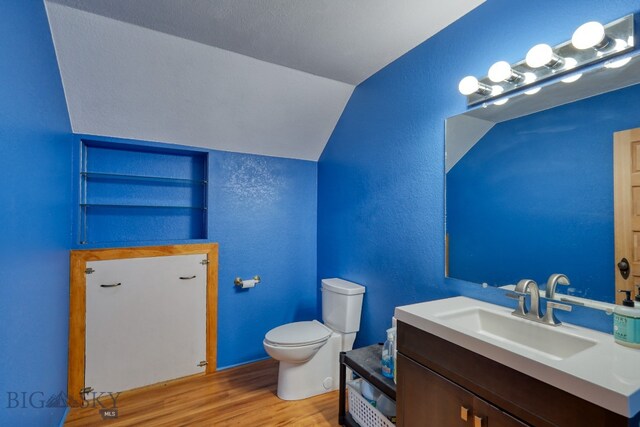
[(606, 374)]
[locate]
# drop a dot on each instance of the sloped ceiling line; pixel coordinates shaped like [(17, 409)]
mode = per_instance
[(262, 77)]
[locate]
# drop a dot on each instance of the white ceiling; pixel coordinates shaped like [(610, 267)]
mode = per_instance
[(256, 76), (462, 133), (344, 40)]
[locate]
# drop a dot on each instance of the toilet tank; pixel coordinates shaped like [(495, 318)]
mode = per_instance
[(341, 305)]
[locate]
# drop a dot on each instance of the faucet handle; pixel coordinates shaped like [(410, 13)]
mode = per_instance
[(521, 311), (515, 295), (559, 306), (549, 317)]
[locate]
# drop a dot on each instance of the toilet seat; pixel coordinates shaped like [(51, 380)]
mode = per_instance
[(298, 334)]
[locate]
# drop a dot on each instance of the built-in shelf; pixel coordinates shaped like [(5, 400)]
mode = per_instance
[(118, 205), (159, 179), (364, 362), (130, 192)]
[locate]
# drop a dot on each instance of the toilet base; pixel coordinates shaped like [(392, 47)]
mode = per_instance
[(318, 375)]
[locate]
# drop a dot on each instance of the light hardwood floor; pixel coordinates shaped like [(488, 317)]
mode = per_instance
[(243, 396)]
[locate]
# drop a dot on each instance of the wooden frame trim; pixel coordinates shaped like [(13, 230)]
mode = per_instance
[(621, 199), (623, 207), (77, 301)]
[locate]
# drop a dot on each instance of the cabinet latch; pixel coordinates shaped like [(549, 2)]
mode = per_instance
[(202, 363), (86, 390), (204, 262), (89, 271)]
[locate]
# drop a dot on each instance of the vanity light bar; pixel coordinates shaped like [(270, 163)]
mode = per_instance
[(591, 42)]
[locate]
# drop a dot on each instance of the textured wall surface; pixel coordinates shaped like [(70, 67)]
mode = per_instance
[(381, 176), (262, 211), (35, 195), (535, 197), (380, 205)]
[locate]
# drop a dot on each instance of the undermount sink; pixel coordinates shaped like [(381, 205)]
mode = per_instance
[(548, 341)]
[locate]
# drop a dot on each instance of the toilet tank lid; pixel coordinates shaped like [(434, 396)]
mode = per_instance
[(343, 287)]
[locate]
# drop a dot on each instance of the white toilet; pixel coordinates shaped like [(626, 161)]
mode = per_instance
[(309, 351)]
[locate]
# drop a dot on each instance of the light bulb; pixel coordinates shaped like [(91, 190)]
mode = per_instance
[(618, 63), (530, 78), (542, 55), (572, 78), (500, 71), (591, 34), (498, 90), (620, 45), (570, 63), (468, 85)]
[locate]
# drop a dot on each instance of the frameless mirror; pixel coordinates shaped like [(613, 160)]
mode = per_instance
[(529, 184)]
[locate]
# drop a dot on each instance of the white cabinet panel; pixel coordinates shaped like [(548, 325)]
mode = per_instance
[(149, 328)]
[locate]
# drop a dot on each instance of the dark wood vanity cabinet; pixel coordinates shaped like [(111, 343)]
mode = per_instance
[(439, 402), (440, 384)]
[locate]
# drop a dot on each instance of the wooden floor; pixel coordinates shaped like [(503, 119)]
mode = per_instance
[(243, 396)]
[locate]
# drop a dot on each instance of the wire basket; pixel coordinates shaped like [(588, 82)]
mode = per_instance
[(362, 412)]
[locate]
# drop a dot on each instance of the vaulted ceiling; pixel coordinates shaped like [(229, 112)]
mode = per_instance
[(256, 76)]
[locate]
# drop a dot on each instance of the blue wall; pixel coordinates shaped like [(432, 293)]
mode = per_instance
[(263, 213), (120, 208), (379, 207), (35, 200), (545, 179), (261, 210), (381, 176)]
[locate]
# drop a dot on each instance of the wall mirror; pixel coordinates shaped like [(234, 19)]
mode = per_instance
[(530, 183)]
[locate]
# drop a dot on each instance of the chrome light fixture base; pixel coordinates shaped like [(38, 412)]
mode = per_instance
[(620, 33)]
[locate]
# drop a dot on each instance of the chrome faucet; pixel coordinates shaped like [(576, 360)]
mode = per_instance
[(553, 282), (523, 287), (550, 293), (528, 286)]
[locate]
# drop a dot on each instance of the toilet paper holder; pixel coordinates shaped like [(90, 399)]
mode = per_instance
[(238, 280)]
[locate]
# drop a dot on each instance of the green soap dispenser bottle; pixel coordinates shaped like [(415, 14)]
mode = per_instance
[(626, 323)]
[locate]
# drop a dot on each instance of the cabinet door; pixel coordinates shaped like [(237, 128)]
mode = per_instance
[(426, 399), (144, 324), (430, 400), (487, 415)]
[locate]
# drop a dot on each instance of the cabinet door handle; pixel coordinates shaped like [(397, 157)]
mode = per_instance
[(478, 421), (187, 278), (113, 285), (464, 413)]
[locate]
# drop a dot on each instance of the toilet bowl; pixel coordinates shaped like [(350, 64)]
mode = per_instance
[(296, 342), (308, 351)]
